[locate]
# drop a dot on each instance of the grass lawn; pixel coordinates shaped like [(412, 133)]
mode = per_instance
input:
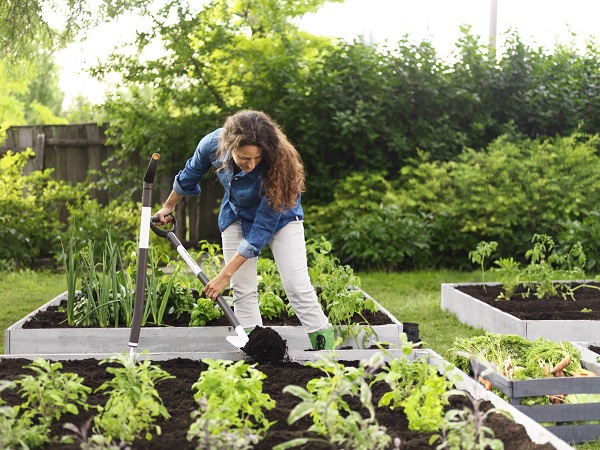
[(23, 291), (409, 296)]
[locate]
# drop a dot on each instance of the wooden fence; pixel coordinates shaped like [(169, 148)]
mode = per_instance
[(74, 150)]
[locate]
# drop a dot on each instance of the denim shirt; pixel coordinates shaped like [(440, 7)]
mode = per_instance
[(242, 200)]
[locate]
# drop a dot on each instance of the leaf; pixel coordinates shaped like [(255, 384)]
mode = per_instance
[(299, 411)]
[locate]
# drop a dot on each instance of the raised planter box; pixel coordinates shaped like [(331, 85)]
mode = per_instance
[(478, 314), (562, 414), (19, 340), (535, 431)]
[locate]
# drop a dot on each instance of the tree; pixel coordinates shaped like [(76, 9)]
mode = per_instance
[(24, 22), (223, 57)]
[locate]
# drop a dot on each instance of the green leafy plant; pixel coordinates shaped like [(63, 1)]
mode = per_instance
[(465, 429), (133, 404), (540, 277), (480, 254), (17, 427), (418, 388), (325, 400), (269, 279), (231, 406), (343, 301), (211, 259), (89, 441), (50, 393), (271, 305), (321, 262), (204, 311)]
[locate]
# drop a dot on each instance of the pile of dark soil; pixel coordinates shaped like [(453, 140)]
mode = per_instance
[(178, 399), (532, 308), (265, 345)]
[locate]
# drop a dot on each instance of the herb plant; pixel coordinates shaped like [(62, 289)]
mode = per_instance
[(231, 406), (325, 400), (17, 427), (418, 388), (465, 430), (133, 404), (50, 393), (204, 311), (271, 305)]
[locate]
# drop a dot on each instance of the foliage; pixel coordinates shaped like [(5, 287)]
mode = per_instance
[(465, 429), (269, 279), (25, 23), (271, 305), (325, 400), (89, 220), (418, 388), (540, 275), (212, 259), (107, 293), (503, 193), (513, 356), (133, 404), (29, 209), (204, 311), (480, 254), (586, 232), (385, 239), (231, 406), (48, 395)]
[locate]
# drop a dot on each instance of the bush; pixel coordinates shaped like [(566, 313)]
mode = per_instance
[(505, 194), (385, 239), (30, 207)]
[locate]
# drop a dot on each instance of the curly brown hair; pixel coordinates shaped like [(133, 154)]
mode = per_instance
[(283, 178)]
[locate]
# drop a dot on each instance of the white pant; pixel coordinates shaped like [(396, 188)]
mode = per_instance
[(289, 250)]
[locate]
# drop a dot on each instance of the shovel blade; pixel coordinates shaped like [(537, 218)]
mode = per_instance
[(240, 340)]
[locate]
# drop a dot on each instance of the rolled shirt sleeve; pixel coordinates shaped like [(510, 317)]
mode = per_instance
[(186, 181)]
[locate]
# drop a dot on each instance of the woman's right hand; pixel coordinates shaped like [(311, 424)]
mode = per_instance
[(164, 215)]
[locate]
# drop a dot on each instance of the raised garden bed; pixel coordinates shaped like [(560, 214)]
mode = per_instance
[(530, 317), (523, 434), (570, 422), (45, 331)]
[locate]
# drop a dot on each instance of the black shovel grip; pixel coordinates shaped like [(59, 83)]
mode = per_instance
[(151, 170), (160, 232)]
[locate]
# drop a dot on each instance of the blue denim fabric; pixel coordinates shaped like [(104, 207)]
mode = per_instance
[(242, 200)]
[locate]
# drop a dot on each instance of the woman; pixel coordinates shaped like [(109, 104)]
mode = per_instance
[(263, 177)]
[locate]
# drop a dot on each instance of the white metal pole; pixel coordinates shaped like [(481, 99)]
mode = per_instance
[(493, 22)]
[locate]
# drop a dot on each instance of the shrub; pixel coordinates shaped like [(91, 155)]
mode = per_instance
[(30, 207), (506, 193)]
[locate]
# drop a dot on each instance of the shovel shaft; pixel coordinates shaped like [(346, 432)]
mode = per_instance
[(140, 288)]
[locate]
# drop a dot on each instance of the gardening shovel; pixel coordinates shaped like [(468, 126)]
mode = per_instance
[(140, 289), (242, 338)]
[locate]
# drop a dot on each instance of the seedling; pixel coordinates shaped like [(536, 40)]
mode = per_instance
[(480, 254)]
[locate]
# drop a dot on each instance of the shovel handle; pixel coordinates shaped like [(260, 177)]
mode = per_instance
[(160, 232)]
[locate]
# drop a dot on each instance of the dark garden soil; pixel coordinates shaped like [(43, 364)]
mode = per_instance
[(56, 317), (178, 398), (532, 308)]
